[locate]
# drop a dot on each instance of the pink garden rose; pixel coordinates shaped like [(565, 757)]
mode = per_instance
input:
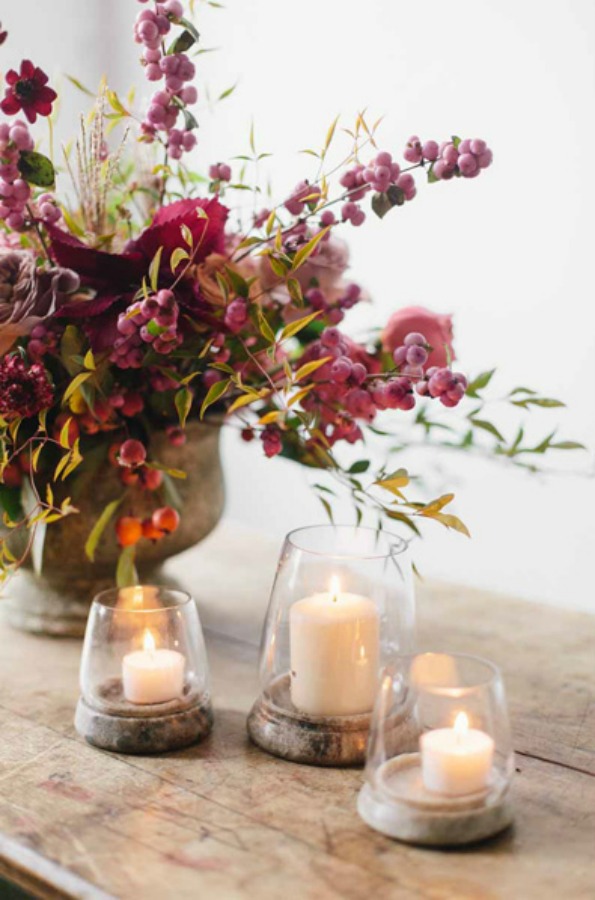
[(436, 328)]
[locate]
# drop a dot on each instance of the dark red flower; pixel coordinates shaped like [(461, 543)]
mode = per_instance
[(115, 275), (24, 390), (3, 35), (28, 91)]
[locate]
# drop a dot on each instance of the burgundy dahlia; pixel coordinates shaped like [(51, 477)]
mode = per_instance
[(28, 91), (24, 390)]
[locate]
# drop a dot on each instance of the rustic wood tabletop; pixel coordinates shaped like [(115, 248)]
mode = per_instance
[(224, 820)]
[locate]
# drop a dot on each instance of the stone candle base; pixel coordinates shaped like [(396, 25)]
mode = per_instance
[(276, 726), (113, 723), (402, 808)]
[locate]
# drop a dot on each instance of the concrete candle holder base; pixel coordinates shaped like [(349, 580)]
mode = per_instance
[(276, 726), (113, 723), (402, 808)]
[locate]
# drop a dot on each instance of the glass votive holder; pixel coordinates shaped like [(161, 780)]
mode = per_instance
[(144, 674), (440, 761), (341, 608)]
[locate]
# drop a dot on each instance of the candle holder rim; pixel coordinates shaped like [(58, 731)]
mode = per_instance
[(400, 545), (444, 690), (100, 599)]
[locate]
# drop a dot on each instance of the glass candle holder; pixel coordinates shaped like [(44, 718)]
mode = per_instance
[(440, 759), (341, 608), (144, 675)]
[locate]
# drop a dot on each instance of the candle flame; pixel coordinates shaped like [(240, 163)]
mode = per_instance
[(335, 588), (461, 724), (148, 641)]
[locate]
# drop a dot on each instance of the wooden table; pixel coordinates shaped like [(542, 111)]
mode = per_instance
[(223, 820)]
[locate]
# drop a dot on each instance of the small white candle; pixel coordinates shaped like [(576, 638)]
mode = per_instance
[(335, 648), (456, 761), (152, 675)]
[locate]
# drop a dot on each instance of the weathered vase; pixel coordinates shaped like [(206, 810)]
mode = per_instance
[(57, 601)]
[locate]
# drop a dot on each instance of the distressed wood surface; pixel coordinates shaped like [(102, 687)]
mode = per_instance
[(223, 820)]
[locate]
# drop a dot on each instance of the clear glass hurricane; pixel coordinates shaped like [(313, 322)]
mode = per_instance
[(439, 746), (341, 608)]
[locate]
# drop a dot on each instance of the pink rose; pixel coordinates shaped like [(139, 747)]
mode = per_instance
[(435, 327)]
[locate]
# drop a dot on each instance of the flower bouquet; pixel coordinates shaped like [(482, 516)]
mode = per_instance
[(142, 302)]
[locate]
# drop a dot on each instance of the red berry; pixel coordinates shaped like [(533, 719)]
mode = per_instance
[(129, 477), (166, 519), (128, 531), (150, 532), (132, 453), (151, 478), (12, 476)]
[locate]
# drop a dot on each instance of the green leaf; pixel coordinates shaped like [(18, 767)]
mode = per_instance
[(265, 329), (383, 203), (308, 249), (81, 87), (10, 501), (36, 168), (239, 284), (487, 426), (71, 345), (568, 445), (99, 528), (228, 92), (183, 401), (216, 391), (328, 509), (404, 518), (480, 382), (126, 574), (183, 42), (547, 402), (357, 468), (294, 327), (178, 256), (75, 385), (154, 269), (191, 27)]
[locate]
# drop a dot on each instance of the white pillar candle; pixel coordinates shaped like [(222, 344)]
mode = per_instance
[(335, 647), (456, 761), (152, 675)]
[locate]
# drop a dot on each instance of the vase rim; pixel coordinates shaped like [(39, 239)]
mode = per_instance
[(116, 598), (393, 545)]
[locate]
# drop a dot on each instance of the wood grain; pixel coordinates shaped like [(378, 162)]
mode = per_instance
[(223, 820)]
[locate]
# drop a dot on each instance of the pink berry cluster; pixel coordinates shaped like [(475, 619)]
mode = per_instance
[(151, 321), (176, 68), (15, 193), (302, 194), (379, 175), (44, 338), (437, 382), (271, 441), (236, 315), (333, 307), (219, 172), (47, 209), (24, 390), (467, 157), (349, 387)]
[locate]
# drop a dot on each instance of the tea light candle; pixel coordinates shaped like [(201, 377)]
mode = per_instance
[(152, 675), (334, 647), (456, 761)]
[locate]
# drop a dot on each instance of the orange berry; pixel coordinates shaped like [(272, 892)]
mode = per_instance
[(151, 478), (128, 530), (166, 519), (150, 532), (128, 477)]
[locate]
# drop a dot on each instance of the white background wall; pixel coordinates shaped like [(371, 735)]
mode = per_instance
[(510, 254)]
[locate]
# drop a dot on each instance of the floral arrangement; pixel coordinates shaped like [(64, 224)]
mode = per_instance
[(138, 307)]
